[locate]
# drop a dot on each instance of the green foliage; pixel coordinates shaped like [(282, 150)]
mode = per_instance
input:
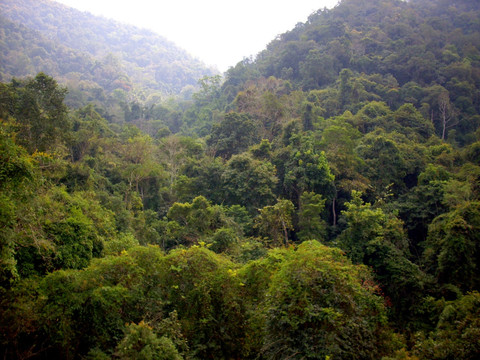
[(60, 230), (204, 290), (92, 52), (320, 305), (353, 101), (121, 243), (249, 182), (339, 141), (140, 342), (310, 222), (37, 105), (392, 162), (306, 169), (412, 122), (274, 222), (378, 240), (456, 334), (452, 247), (424, 202), (15, 165), (223, 239), (16, 170), (233, 135), (190, 222), (365, 225)]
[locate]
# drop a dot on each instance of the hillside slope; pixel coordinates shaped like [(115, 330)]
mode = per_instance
[(426, 53), (148, 59)]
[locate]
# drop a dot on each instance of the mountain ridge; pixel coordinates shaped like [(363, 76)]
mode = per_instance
[(148, 59)]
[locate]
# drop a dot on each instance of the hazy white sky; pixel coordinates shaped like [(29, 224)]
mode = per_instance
[(218, 32)]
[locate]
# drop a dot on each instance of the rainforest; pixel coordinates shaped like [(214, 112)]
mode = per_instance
[(318, 201)]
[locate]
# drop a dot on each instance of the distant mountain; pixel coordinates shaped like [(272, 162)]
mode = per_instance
[(424, 41), (42, 35), (421, 52)]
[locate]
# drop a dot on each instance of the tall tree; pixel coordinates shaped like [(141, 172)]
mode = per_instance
[(453, 246), (40, 109), (447, 114), (235, 133), (275, 221), (311, 225), (249, 182)]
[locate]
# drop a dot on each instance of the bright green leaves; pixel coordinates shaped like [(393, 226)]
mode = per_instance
[(310, 222), (275, 221), (190, 221), (141, 342), (205, 291), (59, 230), (320, 305), (16, 172), (15, 164), (195, 303), (306, 169), (365, 225)]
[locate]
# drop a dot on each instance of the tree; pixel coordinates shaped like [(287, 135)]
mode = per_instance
[(205, 290), (319, 305), (141, 170), (17, 169), (306, 169), (311, 111), (265, 102), (453, 246), (140, 342), (346, 87), (365, 225), (249, 182), (188, 222), (423, 203), (447, 113), (204, 178), (456, 332), (390, 162), (410, 119), (378, 240), (233, 135), (371, 116), (317, 70), (311, 226), (276, 221), (89, 131), (339, 141), (41, 111)]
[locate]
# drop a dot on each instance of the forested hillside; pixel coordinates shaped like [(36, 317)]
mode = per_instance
[(321, 201), (78, 47)]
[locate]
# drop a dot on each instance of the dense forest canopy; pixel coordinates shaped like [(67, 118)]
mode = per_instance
[(320, 201)]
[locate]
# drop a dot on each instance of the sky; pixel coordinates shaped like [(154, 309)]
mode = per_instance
[(218, 32)]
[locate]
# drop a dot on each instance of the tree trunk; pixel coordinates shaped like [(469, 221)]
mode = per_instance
[(285, 232), (334, 212)]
